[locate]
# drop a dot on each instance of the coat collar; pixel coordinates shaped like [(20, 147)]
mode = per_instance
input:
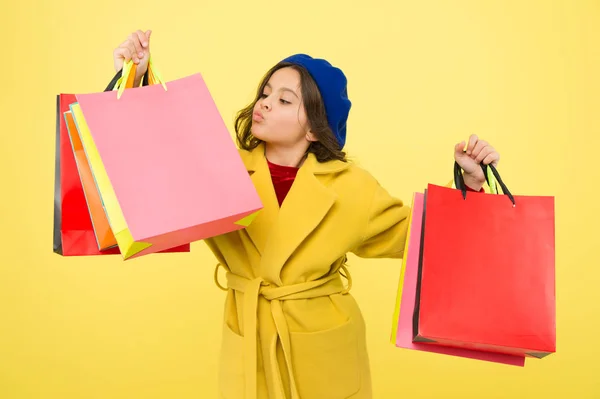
[(256, 158), (276, 232)]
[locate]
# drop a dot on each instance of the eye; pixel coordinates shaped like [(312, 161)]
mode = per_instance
[(284, 102), (263, 95)]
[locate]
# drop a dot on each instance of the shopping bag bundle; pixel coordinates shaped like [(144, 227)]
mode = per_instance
[(146, 170), (478, 275)]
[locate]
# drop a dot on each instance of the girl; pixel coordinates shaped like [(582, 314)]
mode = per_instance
[(291, 329)]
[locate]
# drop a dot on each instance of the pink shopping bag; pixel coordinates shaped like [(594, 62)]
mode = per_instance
[(168, 170)]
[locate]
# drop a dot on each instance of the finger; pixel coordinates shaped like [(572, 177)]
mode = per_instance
[(123, 52), (137, 38), (492, 158), (128, 44), (485, 151), (459, 148), (141, 36), (146, 43), (132, 51), (472, 142), (481, 144)]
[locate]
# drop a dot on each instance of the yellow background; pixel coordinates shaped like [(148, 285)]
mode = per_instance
[(422, 76)]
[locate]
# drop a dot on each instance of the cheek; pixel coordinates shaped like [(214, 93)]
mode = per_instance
[(295, 117), (301, 119), (289, 117), (289, 124)]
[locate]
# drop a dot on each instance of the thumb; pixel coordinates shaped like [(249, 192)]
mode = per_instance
[(459, 148), (148, 33)]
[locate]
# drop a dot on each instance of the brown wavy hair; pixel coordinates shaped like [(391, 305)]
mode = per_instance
[(326, 148)]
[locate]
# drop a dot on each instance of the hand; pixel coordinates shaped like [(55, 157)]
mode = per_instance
[(136, 48), (477, 151)]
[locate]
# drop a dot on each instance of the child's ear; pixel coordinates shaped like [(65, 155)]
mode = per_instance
[(310, 136)]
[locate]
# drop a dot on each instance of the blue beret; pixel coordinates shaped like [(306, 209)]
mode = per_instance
[(332, 85)]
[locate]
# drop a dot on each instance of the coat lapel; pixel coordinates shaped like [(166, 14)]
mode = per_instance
[(259, 172), (305, 206)]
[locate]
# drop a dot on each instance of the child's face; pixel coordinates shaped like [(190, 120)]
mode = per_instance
[(279, 115)]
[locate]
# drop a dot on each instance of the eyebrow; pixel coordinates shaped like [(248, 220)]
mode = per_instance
[(282, 89)]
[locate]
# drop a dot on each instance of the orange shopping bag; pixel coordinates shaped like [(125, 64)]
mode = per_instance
[(104, 235)]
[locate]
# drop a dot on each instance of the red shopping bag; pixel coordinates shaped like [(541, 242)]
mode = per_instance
[(486, 278), (73, 230), (402, 328)]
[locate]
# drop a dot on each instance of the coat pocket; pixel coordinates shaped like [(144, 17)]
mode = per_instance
[(326, 363), (231, 365)]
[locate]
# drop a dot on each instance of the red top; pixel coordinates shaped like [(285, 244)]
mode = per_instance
[(283, 178)]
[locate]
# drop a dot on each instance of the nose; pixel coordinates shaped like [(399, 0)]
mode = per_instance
[(265, 104)]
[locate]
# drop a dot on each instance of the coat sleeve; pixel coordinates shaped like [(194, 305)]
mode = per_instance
[(386, 228)]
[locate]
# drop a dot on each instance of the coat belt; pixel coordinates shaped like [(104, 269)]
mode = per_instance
[(252, 289)]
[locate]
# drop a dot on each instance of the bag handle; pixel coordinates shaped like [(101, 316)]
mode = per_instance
[(459, 180), (128, 76)]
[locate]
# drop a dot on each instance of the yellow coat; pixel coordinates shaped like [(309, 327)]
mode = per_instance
[(291, 329)]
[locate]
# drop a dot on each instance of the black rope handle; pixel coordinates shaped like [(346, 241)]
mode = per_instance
[(459, 180)]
